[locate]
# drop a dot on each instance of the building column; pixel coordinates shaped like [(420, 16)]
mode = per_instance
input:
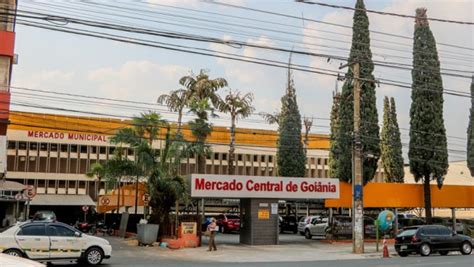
[(259, 225)]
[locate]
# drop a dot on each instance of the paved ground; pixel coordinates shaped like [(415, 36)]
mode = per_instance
[(294, 251)]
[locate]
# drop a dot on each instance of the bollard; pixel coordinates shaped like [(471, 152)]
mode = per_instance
[(385, 249)]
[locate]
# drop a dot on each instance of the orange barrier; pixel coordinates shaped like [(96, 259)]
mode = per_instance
[(394, 195), (127, 198)]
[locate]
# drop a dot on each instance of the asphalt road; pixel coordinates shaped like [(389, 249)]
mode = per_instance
[(124, 255)]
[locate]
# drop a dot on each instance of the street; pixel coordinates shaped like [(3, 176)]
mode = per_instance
[(125, 255)]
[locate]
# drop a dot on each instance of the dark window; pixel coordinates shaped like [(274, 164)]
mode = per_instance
[(44, 147), (63, 148), (224, 156), (248, 157), (11, 145), (270, 158), (94, 150), (262, 158), (444, 231), (325, 161), (74, 148), (56, 230), (431, 231), (239, 157), (319, 161), (216, 155), (33, 146), (208, 156), (255, 158), (37, 230), (22, 145), (83, 149), (54, 147), (102, 150), (130, 152), (111, 150)]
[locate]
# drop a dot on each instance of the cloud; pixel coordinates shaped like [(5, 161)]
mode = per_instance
[(43, 78)]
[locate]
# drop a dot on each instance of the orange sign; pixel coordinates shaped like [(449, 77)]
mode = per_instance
[(263, 214), (188, 228)]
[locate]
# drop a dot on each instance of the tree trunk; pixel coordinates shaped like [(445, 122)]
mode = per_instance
[(118, 197), (427, 191), (231, 166), (136, 196), (201, 161), (180, 118)]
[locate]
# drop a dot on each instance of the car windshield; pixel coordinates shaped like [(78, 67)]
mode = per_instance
[(408, 232)]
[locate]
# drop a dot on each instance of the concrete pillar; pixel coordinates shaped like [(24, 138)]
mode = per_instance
[(259, 225), (453, 215)]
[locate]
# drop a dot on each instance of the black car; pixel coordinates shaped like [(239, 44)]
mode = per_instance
[(288, 224), (427, 239)]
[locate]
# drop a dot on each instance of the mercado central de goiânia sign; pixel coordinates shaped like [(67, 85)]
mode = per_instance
[(237, 186)]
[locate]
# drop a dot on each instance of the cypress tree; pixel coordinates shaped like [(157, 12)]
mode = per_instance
[(369, 129), (385, 140), (397, 172), (470, 133), (334, 149), (427, 153), (291, 159)]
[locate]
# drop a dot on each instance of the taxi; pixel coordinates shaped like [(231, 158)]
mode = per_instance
[(50, 241)]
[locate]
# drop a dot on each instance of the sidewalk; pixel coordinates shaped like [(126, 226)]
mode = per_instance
[(288, 251)]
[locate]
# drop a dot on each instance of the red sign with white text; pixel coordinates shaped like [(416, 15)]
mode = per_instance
[(235, 186)]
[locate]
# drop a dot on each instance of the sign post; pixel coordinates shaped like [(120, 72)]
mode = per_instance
[(146, 200), (105, 201), (85, 209)]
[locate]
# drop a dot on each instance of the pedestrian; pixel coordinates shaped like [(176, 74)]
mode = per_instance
[(212, 228)]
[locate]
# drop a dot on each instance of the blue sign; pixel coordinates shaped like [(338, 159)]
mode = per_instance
[(358, 192)]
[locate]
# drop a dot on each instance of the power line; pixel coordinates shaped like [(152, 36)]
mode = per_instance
[(383, 12)]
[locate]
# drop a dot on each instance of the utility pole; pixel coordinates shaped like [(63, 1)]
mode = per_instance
[(357, 183)]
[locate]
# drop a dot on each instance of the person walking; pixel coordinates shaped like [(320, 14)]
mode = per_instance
[(212, 228)]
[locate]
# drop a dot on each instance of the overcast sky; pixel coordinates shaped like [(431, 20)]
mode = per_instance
[(68, 63)]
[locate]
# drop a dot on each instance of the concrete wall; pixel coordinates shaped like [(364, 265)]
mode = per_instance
[(255, 231)]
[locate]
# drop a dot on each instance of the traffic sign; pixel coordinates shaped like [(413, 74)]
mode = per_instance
[(105, 201), (30, 192), (85, 208)]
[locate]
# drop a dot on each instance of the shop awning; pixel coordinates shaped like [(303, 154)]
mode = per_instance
[(11, 186), (62, 200)]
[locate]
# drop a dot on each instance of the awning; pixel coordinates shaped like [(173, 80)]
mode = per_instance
[(62, 200), (11, 186)]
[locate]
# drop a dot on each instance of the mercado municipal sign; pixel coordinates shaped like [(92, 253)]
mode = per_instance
[(236, 186)]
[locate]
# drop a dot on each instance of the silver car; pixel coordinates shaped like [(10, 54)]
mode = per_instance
[(305, 221)]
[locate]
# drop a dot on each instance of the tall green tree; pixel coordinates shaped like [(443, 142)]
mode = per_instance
[(238, 106), (427, 153), (203, 99), (369, 129), (470, 133), (291, 158), (390, 144), (334, 149)]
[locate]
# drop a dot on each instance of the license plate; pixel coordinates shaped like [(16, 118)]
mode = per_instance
[(403, 247)]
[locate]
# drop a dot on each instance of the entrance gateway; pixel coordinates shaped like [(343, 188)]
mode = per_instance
[(259, 197)]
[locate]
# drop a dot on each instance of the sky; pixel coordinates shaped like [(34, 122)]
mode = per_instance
[(72, 64)]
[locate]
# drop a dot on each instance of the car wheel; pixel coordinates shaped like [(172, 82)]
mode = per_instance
[(94, 256), (402, 254), (13, 252), (307, 234), (443, 252), (466, 248), (425, 249)]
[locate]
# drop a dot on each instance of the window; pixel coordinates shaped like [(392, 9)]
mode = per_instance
[(430, 231), (56, 230), (94, 150), (270, 159), (36, 230), (33, 146), (444, 231), (11, 145), (83, 149), (216, 156), (130, 152), (262, 158), (74, 148), (63, 148), (54, 147), (224, 156), (255, 158), (102, 150), (22, 145), (239, 157), (44, 147)]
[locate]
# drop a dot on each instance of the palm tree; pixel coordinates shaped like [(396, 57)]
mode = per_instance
[(271, 118), (176, 101), (238, 106), (200, 87), (96, 171)]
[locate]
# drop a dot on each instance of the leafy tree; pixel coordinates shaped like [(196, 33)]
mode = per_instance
[(176, 101), (203, 98), (369, 129), (238, 106), (390, 144), (334, 149), (470, 133), (427, 153), (291, 159)]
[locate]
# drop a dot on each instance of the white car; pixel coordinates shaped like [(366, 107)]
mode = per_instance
[(305, 221), (317, 227), (11, 261), (49, 241)]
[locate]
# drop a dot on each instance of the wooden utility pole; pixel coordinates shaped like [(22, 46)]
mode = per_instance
[(357, 182)]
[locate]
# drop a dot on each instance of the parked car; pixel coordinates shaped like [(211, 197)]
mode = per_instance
[(317, 227), (408, 222), (342, 227), (305, 221), (8, 260), (427, 239), (401, 216), (49, 241), (44, 215), (228, 223), (288, 224)]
